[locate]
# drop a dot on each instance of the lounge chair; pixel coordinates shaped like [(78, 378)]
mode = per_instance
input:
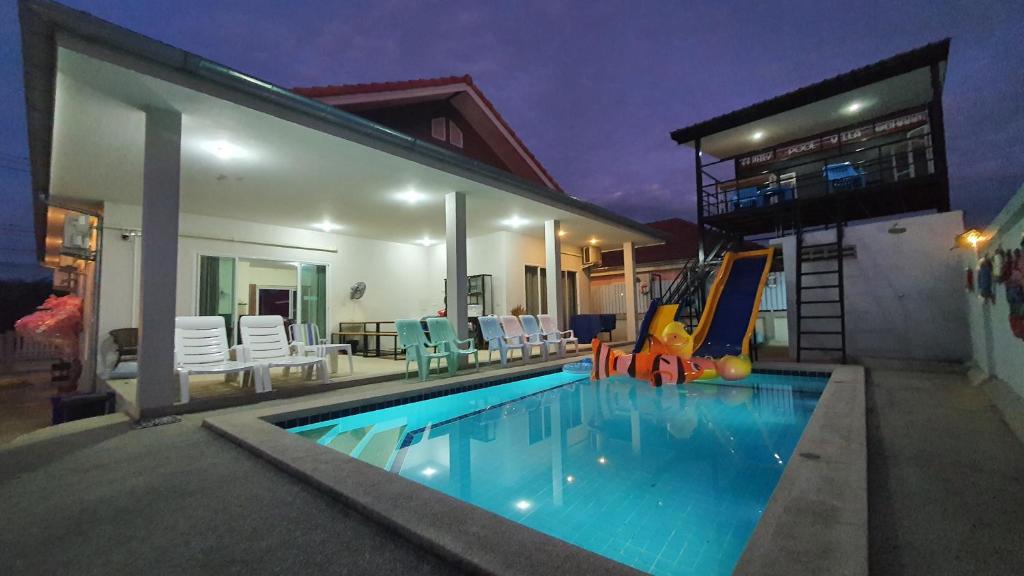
[(201, 347), (307, 341), (266, 346), (441, 332), (534, 334), (490, 330), (414, 343), (513, 328), (553, 334)]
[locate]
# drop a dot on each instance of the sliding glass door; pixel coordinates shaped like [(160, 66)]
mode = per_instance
[(233, 287), (313, 296)]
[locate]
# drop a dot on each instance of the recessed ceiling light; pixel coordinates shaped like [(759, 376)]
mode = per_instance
[(327, 226), (426, 241), (593, 240), (757, 135), (515, 222), (429, 471), (570, 478), (854, 107), (562, 233), (223, 149), (602, 460), (523, 505), (411, 196)]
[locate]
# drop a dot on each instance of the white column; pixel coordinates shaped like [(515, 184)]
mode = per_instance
[(629, 277), (161, 177), (553, 263), (455, 261)]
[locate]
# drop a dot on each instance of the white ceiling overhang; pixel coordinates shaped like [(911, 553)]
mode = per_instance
[(245, 159)]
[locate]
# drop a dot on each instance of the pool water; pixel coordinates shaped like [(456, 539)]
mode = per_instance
[(668, 480)]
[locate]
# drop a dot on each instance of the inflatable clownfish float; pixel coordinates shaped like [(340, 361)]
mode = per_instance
[(667, 361)]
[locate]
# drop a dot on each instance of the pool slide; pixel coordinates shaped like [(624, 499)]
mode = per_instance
[(731, 310)]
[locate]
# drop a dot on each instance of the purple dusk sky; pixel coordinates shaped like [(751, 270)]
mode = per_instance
[(593, 88)]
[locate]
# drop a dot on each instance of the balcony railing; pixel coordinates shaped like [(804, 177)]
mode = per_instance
[(846, 171)]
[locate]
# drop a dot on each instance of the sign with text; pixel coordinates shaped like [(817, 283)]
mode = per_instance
[(870, 130)]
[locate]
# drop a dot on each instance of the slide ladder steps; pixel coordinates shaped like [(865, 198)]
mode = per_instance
[(821, 330)]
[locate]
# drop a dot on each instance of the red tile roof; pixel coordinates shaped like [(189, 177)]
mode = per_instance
[(374, 87)]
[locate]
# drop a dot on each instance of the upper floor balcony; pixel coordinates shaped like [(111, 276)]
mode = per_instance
[(864, 144)]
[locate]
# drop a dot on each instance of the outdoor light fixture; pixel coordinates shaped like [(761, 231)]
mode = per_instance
[(327, 226), (411, 196), (523, 505), (223, 149), (854, 107), (570, 479), (561, 233), (757, 136), (602, 460), (971, 239), (514, 222), (426, 241)]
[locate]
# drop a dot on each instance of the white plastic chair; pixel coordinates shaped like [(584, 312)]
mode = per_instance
[(514, 329), (307, 341), (553, 334), (490, 330), (534, 334), (201, 347), (266, 346)]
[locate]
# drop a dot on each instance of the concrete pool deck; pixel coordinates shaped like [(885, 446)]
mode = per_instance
[(178, 499)]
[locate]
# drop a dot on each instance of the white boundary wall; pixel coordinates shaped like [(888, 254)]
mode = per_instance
[(996, 351)]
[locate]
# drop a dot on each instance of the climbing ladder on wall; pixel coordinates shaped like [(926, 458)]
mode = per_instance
[(820, 306)]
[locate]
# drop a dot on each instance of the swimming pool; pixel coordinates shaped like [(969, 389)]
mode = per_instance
[(668, 480)]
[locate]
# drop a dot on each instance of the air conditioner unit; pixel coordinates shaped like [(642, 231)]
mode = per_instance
[(77, 234), (592, 256)]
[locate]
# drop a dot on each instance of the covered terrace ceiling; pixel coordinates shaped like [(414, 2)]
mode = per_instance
[(245, 164), (885, 87)]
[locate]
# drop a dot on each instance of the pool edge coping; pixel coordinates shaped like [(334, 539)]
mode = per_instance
[(816, 521), (471, 538), (480, 541)]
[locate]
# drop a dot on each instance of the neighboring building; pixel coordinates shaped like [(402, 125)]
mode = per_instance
[(170, 185), (797, 169)]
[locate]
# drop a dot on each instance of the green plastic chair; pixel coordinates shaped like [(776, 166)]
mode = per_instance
[(414, 343), (442, 333)]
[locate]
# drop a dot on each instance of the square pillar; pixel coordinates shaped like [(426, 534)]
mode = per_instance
[(161, 178), (629, 278), (455, 261), (553, 263)]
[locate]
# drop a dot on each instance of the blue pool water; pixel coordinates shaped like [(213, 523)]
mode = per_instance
[(668, 480)]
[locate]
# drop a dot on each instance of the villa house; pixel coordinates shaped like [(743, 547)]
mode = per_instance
[(196, 189)]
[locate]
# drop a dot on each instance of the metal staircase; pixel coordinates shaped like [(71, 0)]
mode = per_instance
[(688, 288)]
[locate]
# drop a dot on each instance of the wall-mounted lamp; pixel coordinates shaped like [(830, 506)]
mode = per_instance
[(971, 239)]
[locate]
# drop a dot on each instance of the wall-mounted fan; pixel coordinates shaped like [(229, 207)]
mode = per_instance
[(357, 290)]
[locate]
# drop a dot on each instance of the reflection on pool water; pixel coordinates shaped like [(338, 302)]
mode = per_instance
[(668, 480)]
